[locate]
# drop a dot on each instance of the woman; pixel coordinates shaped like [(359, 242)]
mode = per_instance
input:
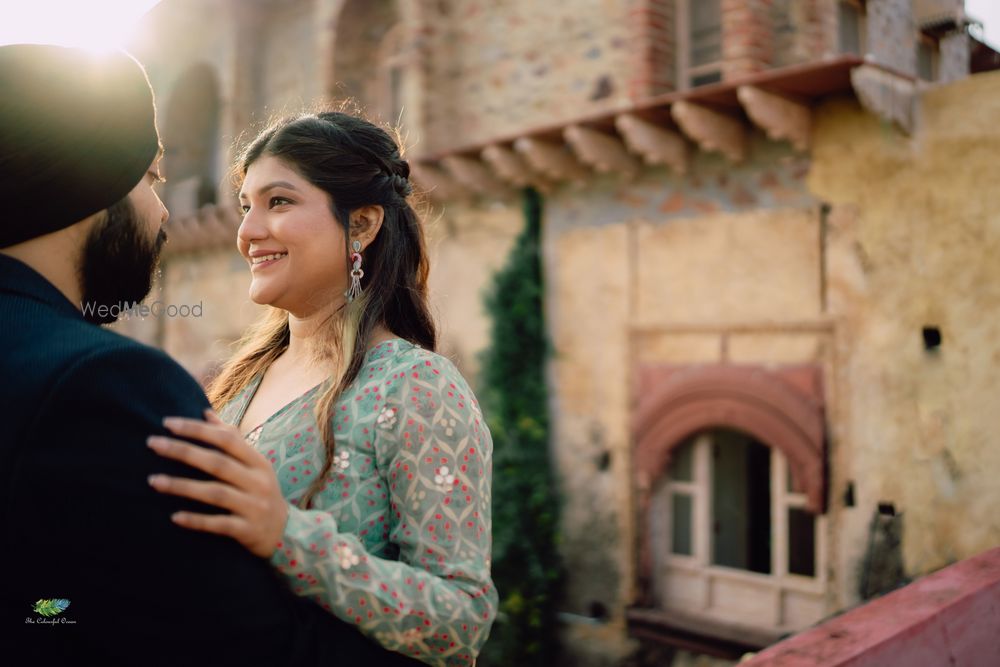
[(367, 482)]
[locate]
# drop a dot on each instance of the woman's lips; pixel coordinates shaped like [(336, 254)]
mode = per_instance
[(256, 266)]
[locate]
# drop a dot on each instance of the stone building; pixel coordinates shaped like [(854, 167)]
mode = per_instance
[(768, 234)]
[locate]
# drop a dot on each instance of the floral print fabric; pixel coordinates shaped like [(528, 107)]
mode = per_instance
[(398, 540)]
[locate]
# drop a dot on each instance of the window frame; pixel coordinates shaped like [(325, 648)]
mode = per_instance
[(862, 10), (685, 71), (705, 575)]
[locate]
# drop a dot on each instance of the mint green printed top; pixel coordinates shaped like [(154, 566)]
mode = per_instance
[(398, 540)]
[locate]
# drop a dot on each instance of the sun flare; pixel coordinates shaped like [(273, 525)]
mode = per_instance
[(96, 25)]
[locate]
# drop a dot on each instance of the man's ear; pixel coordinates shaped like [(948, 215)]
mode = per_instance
[(366, 221)]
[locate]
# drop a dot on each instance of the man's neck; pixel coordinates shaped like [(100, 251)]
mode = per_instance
[(56, 264), (56, 257)]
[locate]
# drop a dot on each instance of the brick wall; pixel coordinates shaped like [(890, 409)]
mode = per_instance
[(654, 67), (800, 30), (747, 37)]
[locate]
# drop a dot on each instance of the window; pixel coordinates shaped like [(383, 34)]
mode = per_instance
[(927, 57), (851, 27), (731, 540), (699, 42)]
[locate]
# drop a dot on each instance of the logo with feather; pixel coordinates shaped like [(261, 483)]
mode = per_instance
[(50, 607)]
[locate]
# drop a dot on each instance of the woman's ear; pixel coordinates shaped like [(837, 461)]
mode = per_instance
[(366, 221)]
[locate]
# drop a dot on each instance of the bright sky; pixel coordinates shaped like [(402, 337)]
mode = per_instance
[(987, 11), (93, 24)]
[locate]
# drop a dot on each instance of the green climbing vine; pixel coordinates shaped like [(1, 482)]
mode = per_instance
[(526, 566)]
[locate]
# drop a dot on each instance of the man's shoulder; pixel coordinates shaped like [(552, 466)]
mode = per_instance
[(53, 354), (101, 350), (119, 364), (81, 366)]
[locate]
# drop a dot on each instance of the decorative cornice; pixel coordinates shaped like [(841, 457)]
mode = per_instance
[(661, 130), (712, 130)]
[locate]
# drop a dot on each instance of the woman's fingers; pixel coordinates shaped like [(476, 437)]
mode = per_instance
[(211, 417), (224, 436), (217, 464), (221, 524), (212, 493)]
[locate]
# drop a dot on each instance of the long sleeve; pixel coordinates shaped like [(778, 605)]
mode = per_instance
[(437, 602)]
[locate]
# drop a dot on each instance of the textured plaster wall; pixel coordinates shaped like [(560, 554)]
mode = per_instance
[(907, 242), (914, 237), (467, 245), (722, 245)]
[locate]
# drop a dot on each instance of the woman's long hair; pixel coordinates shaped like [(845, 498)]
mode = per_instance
[(357, 164)]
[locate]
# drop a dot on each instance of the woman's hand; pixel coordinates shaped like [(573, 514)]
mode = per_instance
[(247, 485)]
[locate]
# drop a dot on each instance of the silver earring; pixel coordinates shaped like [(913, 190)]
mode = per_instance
[(354, 291)]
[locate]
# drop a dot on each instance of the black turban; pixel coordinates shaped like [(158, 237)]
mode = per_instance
[(77, 133)]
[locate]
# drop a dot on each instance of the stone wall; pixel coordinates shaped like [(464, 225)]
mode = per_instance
[(497, 68), (892, 34), (954, 58)]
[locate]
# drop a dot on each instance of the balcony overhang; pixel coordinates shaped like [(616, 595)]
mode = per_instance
[(665, 130)]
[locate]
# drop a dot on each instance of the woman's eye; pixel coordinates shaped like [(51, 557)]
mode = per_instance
[(244, 209), (278, 201)]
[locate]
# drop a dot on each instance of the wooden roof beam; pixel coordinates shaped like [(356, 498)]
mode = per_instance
[(553, 161), (778, 116), (711, 130), (603, 152), (473, 174), (657, 145), (509, 166)]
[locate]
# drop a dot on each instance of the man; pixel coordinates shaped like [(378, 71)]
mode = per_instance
[(81, 228)]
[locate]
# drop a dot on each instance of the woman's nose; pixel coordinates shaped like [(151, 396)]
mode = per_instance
[(251, 229)]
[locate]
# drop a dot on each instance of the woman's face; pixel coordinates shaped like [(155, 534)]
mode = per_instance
[(294, 246)]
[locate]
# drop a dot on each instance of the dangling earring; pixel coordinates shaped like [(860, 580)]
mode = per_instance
[(354, 291)]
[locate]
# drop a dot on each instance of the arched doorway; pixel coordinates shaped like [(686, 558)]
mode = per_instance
[(729, 472)]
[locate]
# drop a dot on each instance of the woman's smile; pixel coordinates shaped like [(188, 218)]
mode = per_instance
[(264, 261)]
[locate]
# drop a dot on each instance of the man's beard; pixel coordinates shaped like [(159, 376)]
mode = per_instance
[(117, 263)]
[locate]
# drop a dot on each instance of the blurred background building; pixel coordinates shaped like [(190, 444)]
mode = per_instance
[(769, 236)]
